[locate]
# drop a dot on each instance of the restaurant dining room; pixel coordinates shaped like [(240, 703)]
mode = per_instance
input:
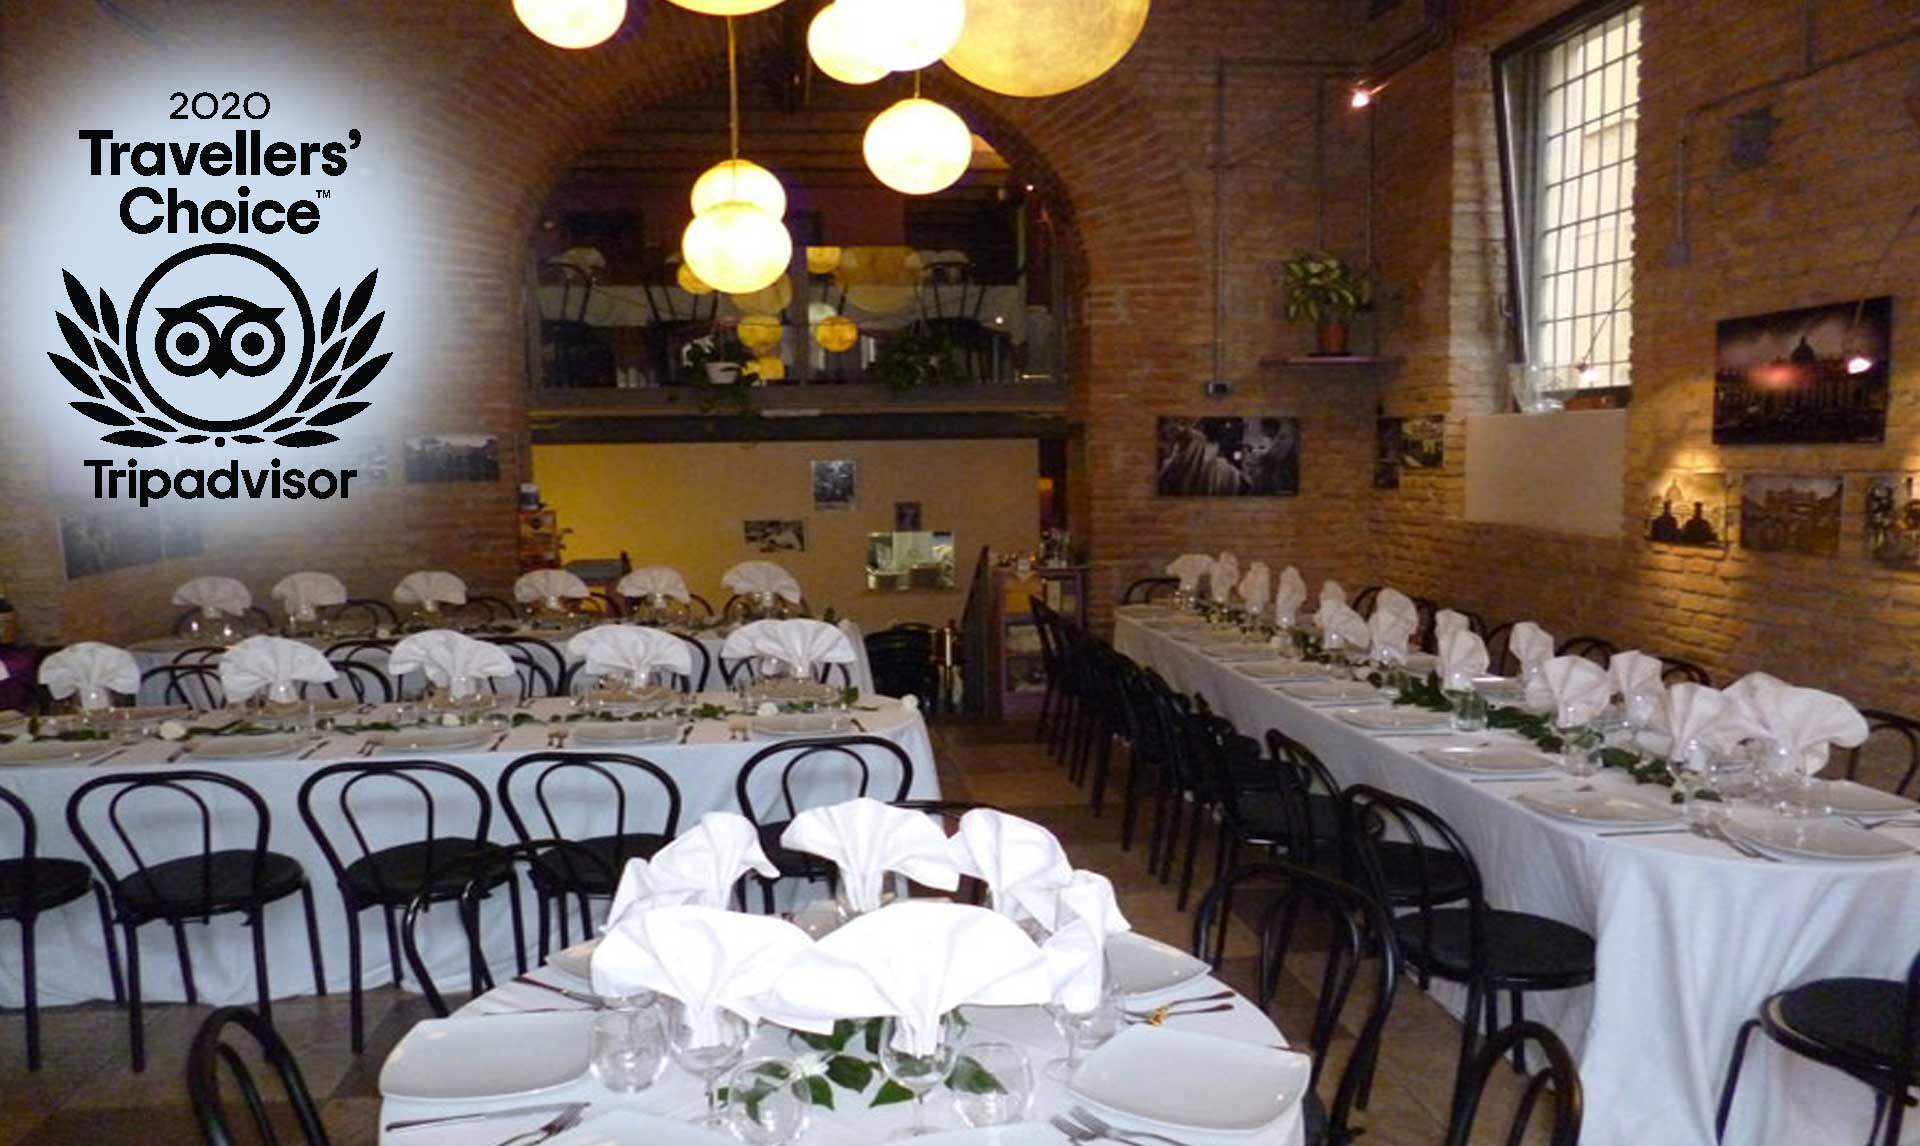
[(1007, 572)]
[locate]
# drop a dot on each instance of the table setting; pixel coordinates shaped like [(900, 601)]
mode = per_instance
[(1042, 1018)]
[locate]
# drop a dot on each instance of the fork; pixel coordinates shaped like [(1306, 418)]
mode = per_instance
[(1710, 832), (1160, 1014), (559, 1124), (1103, 1129)]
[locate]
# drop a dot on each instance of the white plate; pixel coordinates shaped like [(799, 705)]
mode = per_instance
[(1276, 669), (1333, 691), (431, 739), (1401, 721), (1018, 1134), (626, 731), (1143, 966), (619, 1127), (1238, 651), (801, 724), (1185, 1081), (1817, 839), (500, 1056), (1850, 799), (1597, 806), (576, 960), (1490, 759), (54, 751), (260, 747)]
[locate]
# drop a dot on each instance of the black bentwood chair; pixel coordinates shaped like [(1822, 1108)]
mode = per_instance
[(1891, 749), (1148, 589), (1866, 1028), (30, 886), (211, 1052), (840, 762), (390, 877), (199, 885), (1559, 1078)]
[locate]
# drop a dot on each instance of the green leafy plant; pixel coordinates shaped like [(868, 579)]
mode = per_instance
[(916, 357), (842, 1067), (1321, 288)]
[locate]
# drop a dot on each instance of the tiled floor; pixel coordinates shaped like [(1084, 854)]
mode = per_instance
[(86, 1096)]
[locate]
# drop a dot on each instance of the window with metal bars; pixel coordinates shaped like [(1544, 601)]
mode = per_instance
[(1567, 105)]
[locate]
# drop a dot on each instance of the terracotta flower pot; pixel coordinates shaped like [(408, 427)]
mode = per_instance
[(1330, 338)]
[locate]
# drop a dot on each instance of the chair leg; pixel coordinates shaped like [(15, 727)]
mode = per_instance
[(766, 895), (1519, 1048), (313, 939), (137, 1035), (186, 960), (1733, 1078), (1130, 798), (1192, 857), (1469, 1020), (356, 1005), (257, 919), (32, 998), (393, 941), (113, 945), (1103, 763), (519, 925)]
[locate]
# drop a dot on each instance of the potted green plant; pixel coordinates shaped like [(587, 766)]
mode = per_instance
[(1327, 292), (719, 356)]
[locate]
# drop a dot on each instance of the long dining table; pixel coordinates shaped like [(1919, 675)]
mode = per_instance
[(1691, 935), (73, 964)]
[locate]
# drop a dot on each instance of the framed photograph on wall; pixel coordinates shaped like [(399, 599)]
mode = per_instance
[(1791, 513), (440, 458), (1423, 442), (775, 536), (1818, 374), (1892, 528), (834, 484), (1229, 457), (1689, 510)]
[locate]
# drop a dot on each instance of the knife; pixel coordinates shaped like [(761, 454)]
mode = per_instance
[(482, 1116)]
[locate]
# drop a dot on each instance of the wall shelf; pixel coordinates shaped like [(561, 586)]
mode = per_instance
[(1345, 363)]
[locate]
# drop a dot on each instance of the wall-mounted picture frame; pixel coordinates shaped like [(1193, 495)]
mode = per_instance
[(1423, 442), (1817, 374), (439, 459), (835, 483), (1229, 457), (1791, 513), (1688, 510), (1891, 531), (772, 535)]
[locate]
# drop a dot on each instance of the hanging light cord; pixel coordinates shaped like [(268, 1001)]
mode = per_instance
[(733, 94), (1586, 360), (1874, 271)]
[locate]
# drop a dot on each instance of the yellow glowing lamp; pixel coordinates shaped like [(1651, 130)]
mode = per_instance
[(760, 332), (918, 147), (823, 260), (690, 282), (769, 368), (572, 23), (726, 7), (837, 334), (834, 49), (1044, 47), (737, 248), (902, 35), (770, 299), (739, 181)]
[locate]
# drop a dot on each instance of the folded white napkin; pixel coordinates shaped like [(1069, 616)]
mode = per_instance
[(1224, 577), (1577, 688), (1388, 632), (302, 594), (1695, 712), (1288, 598), (866, 839), (1633, 671), (915, 960), (90, 669), (1337, 620), (700, 866), (1256, 585), (654, 581), (1391, 600), (1462, 657), (1190, 568), (551, 586), (450, 659), (1332, 593), (273, 665), (215, 596), (1804, 722), (752, 577), (430, 588), (1076, 951), (1447, 621), (632, 650), (1022, 863), (798, 642), (1531, 645), (4, 674), (707, 958)]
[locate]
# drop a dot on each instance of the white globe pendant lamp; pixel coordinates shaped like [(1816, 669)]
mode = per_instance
[(835, 49), (918, 147), (903, 35), (1044, 47), (739, 181), (726, 7), (737, 248), (572, 24)]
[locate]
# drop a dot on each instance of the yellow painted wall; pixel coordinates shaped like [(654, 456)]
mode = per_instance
[(683, 505)]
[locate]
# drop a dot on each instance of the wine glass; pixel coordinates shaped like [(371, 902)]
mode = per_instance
[(706, 1054), (1469, 707), (1084, 1030), (992, 1084), (919, 1073), (767, 1102), (629, 1049)]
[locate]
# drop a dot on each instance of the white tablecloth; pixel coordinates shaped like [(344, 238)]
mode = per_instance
[(73, 963), (1691, 937), (679, 1095)]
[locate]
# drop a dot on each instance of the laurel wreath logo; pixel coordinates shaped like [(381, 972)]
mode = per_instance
[(98, 371)]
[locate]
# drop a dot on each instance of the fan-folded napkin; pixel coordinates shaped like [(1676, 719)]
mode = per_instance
[(1697, 713), (1391, 600), (449, 658), (1224, 576), (1332, 593), (1388, 632), (654, 581), (750, 578), (1447, 622), (799, 642), (1531, 645), (1462, 657), (1633, 672), (707, 958), (1577, 688), (1256, 585), (87, 668), (1339, 621), (214, 596), (273, 665), (303, 593), (633, 650), (1076, 952), (1190, 568), (1291, 594), (1804, 722), (549, 585), (430, 588), (866, 839), (1022, 863), (699, 866)]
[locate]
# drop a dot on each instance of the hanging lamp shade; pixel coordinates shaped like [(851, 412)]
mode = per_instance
[(836, 50), (837, 334), (739, 181), (1044, 47), (737, 247), (902, 35), (918, 147), (726, 7), (760, 332), (770, 299), (769, 368), (572, 23), (690, 282), (823, 260)]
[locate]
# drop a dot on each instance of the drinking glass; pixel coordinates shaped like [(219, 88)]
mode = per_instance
[(767, 1102), (629, 1049), (1577, 744), (1469, 709), (1084, 1030), (708, 1059), (992, 1084), (1641, 706), (919, 1073), (1783, 783)]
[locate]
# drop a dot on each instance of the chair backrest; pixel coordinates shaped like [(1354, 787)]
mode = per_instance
[(408, 779), (366, 650), (200, 654), (626, 781), (367, 684), (195, 685), (1363, 601), (1599, 650), (1349, 926), (805, 759), (901, 658), (1500, 658), (1301, 776), (480, 873), (29, 845), (1559, 1079), (490, 609), (188, 788), (1674, 670), (697, 601), (1148, 588), (539, 668), (374, 613), (210, 1052), (1892, 750), (1374, 820)]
